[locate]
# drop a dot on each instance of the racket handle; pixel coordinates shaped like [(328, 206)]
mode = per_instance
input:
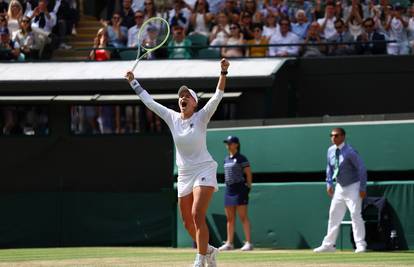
[(135, 65)]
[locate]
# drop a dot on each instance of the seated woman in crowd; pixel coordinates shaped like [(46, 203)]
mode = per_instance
[(236, 38), (150, 9), (271, 27), (100, 53), (354, 21), (117, 34), (14, 15), (26, 39), (201, 18), (221, 31), (259, 39)]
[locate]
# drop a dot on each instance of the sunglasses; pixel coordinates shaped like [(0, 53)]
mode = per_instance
[(334, 135), (369, 25), (233, 28), (25, 21), (139, 17), (338, 27), (284, 24), (116, 17), (147, 4)]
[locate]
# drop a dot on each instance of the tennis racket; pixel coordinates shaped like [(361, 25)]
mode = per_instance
[(152, 35)]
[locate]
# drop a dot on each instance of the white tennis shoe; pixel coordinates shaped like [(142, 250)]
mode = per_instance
[(247, 247), (361, 249), (226, 246), (324, 248), (211, 256), (200, 261)]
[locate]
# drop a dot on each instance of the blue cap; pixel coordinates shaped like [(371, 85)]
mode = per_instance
[(232, 139)]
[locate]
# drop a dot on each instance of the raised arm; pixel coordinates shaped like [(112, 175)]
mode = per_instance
[(208, 110), (148, 101)]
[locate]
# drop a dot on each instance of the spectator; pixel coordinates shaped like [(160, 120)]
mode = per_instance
[(354, 21), (67, 16), (42, 20), (151, 41), (201, 18), (250, 6), (179, 40), (277, 8), (259, 39), (133, 31), (246, 25), (306, 6), (221, 31), (313, 42), (236, 38), (150, 9), (100, 45), (370, 34), (341, 36), (3, 22), (232, 11), (285, 36), (300, 28), (339, 14), (9, 50), (117, 34), (25, 39), (410, 29), (271, 27), (397, 30), (4, 7), (328, 22), (127, 14), (180, 14), (14, 15), (356, 4), (11, 122)]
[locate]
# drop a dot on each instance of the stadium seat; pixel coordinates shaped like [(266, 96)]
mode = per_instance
[(128, 54), (197, 40), (208, 53)]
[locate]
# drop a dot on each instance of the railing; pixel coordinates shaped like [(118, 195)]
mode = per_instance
[(215, 50)]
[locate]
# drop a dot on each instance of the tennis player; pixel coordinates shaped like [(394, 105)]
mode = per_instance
[(238, 178), (196, 168)]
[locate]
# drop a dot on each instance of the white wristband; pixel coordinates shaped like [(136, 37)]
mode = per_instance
[(134, 84)]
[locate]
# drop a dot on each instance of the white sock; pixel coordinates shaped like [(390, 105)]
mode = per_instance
[(200, 258)]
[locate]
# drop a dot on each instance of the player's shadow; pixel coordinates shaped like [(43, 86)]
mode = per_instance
[(220, 222)]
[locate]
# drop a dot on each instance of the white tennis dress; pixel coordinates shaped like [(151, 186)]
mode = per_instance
[(195, 165)]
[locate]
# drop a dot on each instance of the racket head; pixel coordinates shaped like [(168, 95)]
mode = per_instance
[(153, 33)]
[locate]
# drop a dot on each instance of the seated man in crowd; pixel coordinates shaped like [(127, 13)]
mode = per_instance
[(343, 38), (9, 50), (370, 34), (178, 40), (314, 37), (300, 28), (134, 30), (127, 14), (285, 36)]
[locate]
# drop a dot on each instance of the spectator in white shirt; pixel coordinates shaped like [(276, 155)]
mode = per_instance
[(14, 14), (328, 22), (271, 27), (201, 18), (397, 30), (221, 31), (285, 36), (42, 19), (133, 31)]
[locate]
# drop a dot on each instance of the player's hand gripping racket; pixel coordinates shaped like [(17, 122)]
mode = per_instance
[(152, 35)]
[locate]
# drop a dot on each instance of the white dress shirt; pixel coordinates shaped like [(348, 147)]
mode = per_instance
[(329, 30), (289, 38), (133, 36)]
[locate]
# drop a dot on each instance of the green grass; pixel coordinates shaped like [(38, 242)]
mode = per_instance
[(183, 257)]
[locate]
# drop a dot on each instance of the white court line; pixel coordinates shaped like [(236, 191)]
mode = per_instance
[(315, 125)]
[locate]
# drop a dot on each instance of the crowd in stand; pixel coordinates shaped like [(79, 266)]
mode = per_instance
[(257, 28), (33, 29)]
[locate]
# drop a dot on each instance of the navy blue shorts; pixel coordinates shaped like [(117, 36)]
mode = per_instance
[(236, 195)]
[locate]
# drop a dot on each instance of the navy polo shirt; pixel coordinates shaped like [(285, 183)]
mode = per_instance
[(233, 168)]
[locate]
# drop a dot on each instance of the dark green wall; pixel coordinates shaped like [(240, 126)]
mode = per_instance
[(295, 215), (383, 146), (46, 219)]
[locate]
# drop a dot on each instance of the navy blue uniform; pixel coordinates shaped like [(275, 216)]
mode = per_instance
[(237, 192)]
